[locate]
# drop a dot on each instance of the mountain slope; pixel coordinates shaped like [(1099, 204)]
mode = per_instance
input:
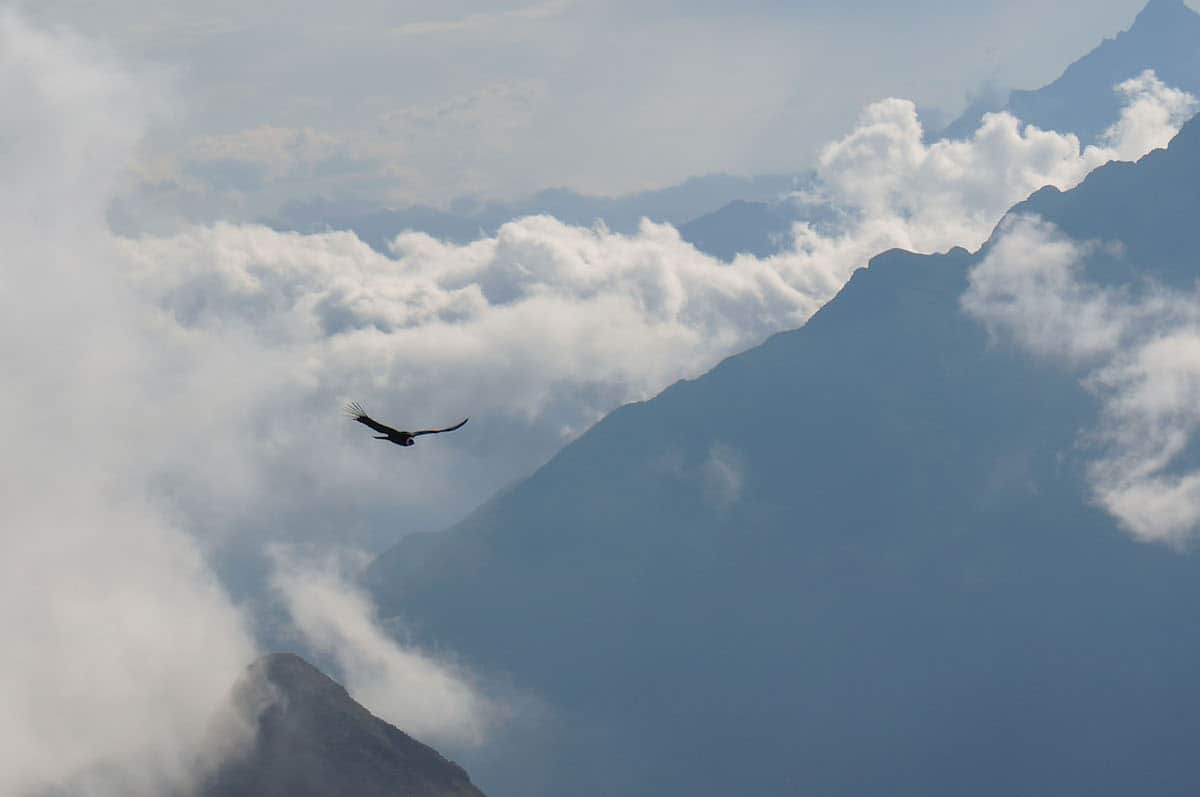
[(1165, 37), (858, 559), (313, 740)]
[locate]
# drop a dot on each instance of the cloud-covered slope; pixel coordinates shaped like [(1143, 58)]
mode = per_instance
[(871, 555)]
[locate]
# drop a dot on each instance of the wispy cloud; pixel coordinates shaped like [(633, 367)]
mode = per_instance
[(1138, 351), (434, 700)]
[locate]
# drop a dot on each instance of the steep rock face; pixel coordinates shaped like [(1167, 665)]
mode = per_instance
[(861, 558), (313, 740)]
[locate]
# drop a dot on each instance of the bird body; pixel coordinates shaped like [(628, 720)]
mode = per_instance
[(397, 436)]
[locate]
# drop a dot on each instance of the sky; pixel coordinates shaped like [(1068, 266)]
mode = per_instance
[(412, 102), (174, 406)]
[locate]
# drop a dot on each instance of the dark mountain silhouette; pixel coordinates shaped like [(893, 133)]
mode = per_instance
[(1165, 37), (313, 740), (858, 559)]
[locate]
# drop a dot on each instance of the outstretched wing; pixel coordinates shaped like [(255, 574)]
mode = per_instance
[(458, 425), (355, 411)]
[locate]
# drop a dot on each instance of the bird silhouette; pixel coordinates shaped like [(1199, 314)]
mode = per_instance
[(400, 438)]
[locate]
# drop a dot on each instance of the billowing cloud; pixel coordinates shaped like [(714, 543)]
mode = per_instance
[(894, 191), (1138, 351), (543, 328), (429, 698)]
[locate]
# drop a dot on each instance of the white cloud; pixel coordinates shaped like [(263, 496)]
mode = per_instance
[(428, 698), (897, 192), (540, 330), (1139, 351), (118, 641), (131, 438)]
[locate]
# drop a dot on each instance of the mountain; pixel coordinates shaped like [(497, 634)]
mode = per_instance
[(313, 740), (1165, 37), (742, 227), (861, 558), (467, 220), (726, 215)]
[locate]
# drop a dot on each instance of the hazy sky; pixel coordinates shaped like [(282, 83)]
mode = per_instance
[(418, 101)]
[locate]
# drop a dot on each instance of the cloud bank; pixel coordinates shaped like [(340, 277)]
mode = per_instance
[(540, 330), (1139, 352)]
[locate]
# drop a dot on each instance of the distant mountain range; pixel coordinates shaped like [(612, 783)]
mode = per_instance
[(1164, 37), (467, 220), (724, 215), (859, 559), (313, 740)]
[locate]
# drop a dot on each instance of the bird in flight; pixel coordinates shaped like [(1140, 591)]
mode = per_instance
[(400, 438)]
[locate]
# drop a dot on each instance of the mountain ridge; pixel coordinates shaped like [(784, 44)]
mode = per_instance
[(860, 557), (1164, 36)]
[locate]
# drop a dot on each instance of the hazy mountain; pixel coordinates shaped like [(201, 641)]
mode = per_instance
[(741, 227), (858, 559), (1164, 37), (313, 740), (466, 219)]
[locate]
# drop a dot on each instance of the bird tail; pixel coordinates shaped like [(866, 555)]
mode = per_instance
[(355, 410)]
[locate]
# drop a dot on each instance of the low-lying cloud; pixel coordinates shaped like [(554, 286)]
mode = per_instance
[(1138, 351), (540, 330)]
